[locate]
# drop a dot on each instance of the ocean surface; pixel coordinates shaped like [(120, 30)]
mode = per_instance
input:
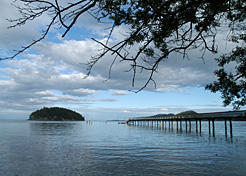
[(103, 149)]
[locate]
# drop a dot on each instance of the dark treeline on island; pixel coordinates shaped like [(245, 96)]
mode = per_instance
[(55, 114)]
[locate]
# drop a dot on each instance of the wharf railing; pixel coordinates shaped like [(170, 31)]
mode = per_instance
[(168, 122)]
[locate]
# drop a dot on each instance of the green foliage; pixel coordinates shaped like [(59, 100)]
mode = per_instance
[(162, 27), (55, 114), (232, 82)]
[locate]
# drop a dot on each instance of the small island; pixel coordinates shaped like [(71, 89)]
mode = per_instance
[(55, 114)]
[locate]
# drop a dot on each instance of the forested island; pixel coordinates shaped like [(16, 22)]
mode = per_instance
[(55, 114)]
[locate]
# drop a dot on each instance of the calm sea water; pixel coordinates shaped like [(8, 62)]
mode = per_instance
[(103, 149)]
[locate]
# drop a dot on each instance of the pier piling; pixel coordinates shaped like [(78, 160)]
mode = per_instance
[(196, 127), (225, 128), (161, 122), (213, 127), (230, 128), (186, 126), (200, 125), (190, 126), (172, 125)]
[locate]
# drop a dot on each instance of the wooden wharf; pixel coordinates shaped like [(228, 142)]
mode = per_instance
[(163, 122)]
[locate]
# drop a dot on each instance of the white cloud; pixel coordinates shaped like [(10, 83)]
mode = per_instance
[(62, 65), (173, 74), (120, 92), (37, 78), (164, 109), (53, 73), (13, 38), (33, 83), (125, 111), (80, 92)]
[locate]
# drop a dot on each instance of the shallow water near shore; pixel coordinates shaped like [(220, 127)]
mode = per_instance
[(36, 148)]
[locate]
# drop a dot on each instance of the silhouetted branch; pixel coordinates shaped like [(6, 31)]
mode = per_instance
[(32, 9), (156, 28)]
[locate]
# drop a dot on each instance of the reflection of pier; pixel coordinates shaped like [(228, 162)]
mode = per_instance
[(168, 122)]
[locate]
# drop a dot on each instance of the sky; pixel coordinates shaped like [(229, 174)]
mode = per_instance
[(52, 73)]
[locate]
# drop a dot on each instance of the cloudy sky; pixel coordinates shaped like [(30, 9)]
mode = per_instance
[(52, 73)]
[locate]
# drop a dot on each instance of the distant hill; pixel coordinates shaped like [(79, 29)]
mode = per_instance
[(162, 115), (158, 115), (56, 114), (188, 113)]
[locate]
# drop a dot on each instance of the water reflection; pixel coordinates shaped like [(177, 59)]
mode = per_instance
[(77, 148), (50, 128), (194, 130)]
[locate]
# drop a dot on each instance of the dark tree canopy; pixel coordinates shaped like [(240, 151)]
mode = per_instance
[(56, 114), (232, 83), (157, 28)]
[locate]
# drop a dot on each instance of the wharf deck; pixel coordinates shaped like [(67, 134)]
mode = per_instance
[(210, 117), (234, 115)]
